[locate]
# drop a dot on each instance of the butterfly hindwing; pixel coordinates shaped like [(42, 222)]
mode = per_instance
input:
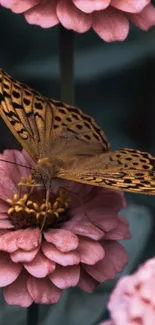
[(125, 169)]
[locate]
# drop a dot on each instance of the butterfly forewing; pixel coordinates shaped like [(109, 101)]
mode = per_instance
[(37, 121)]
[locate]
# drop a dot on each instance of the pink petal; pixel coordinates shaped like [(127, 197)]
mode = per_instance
[(4, 206), (84, 228), (114, 261), (120, 232), (6, 224), (111, 25), (17, 293), (65, 277), (26, 239), (62, 239), (40, 267), (101, 271), (4, 216), (130, 5), (86, 282), (23, 256), (145, 19), (19, 6), (90, 6), (29, 238), (116, 253), (90, 251), (43, 291), (7, 187), (72, 18), (8, 241), (44, 14), (103, 219), (9, 271), (51, 252), (17, 157)]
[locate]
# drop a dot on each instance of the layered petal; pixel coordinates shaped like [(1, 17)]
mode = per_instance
[(65, 277), (72, 18), (43, 291), (90, 6), (130, 5), (19, 6), (17, 292), (111, 25), (64, 240), (9, 271), (57, 256), (90, 252), (145, 19), (40, 266), (43, 15)]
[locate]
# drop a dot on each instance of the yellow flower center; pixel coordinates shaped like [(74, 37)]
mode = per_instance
[(32, 209)]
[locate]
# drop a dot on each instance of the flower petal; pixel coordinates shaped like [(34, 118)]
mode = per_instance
[(130, 5), (40, 267), (90, 6), (111, 24), (116, 253), (5, 224), (62, 239), (29, 238), (44, 14), (65, 277), (19, 6), (17, 293), (72, 18), (84, 228), (90, 251), (114, 261), (4, 206), (145, 19), (7, 187), (120, 232), (8, 241), (101, 271), (86, 282), (51, 252), (9, 271), (23, 256), (43, 291)]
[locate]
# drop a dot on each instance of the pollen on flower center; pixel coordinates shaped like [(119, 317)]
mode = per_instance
[(33, 210)]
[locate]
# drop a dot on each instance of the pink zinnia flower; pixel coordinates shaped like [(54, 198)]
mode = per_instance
[(133, 300), (109, 18), (76, 246)]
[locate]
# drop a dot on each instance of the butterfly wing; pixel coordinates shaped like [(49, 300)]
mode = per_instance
[(125, 169), (37, 122)]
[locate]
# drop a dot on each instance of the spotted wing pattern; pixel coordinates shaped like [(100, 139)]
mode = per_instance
[(125, 169), (36, 121)]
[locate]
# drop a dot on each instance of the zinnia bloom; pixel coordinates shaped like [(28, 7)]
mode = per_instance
[(70, 243), (133, 300), (109, 18)]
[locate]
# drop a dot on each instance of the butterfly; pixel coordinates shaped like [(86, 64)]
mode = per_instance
[(67, 144)]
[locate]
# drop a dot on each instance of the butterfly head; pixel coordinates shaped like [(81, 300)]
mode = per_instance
[(46, 170)]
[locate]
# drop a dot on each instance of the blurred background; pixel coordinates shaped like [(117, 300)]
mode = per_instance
[(115, 84)]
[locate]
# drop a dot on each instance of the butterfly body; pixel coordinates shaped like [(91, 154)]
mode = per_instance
[(65, 143)]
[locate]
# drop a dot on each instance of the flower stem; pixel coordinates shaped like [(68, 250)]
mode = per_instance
[(66, 60), (32, 314)]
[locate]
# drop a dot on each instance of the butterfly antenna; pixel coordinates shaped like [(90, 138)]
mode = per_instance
[(13, 163)]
